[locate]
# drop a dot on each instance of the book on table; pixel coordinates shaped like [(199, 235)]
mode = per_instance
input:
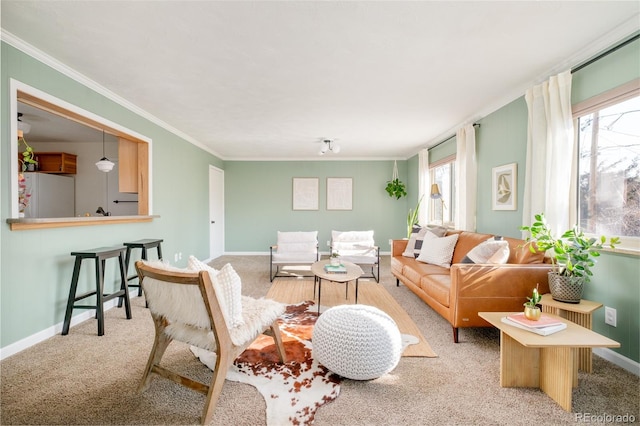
[(335, 269), (544, 326)]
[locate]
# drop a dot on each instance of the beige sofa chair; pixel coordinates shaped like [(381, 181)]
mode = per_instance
[(358, 247), (293, 254)]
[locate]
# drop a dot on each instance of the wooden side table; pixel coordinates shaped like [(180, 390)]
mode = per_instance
[(578, 313)]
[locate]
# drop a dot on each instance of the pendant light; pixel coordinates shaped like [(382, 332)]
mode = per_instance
[(104, 165)]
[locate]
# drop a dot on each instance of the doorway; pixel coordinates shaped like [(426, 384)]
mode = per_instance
[(216, 212)]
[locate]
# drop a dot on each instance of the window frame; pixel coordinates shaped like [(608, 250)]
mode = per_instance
[(449, 220), (21, 92), (629, 245)]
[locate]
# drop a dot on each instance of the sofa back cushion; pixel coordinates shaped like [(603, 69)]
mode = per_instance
[(518, 253)]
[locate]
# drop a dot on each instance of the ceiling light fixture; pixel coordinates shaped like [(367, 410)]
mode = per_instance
[(23, 126), (104, 165), (329, 145)]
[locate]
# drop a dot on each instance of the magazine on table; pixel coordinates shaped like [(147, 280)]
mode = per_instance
[(335, 269), (544, 326)]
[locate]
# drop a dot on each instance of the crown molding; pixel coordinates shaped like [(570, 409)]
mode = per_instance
[(82, 79)]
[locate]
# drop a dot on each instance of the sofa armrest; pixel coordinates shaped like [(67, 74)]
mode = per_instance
[(398, 247)]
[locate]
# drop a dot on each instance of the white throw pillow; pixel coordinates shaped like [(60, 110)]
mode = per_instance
[(438, 251), (228, 287), (495, 250), (198, 265)]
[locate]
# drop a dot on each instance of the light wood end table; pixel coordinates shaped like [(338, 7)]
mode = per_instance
[(546, 362), (579, 313), (353, 273)]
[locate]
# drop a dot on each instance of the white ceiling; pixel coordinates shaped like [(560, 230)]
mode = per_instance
[(268, 80)]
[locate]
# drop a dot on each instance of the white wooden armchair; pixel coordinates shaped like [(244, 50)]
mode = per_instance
[(358, 247), (185, 307), (293, 254)]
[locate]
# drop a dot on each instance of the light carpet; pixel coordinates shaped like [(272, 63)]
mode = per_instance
[(293, 391), (291, 291)]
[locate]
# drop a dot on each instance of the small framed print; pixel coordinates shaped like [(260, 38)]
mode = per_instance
[(339, 193), (305, 193), (505, 187)]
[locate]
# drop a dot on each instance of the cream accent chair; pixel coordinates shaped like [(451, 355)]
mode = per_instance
[(358, 247), (294, 251), (184, 307)]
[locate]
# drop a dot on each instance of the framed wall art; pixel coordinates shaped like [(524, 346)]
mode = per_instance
[(339, 193), (505, 187), (305, 193)]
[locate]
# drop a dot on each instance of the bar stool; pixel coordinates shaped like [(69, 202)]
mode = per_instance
[(144, 244), (100, 255)]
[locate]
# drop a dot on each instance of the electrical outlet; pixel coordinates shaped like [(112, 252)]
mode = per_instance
[(175, 257), (610, 316), (390, 241), (180, 255)]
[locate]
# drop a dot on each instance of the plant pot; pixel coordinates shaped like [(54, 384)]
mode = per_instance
[(532, 313), (335, 261), (565, 289)]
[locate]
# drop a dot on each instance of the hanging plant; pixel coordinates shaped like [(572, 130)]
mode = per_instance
[(395, 187)]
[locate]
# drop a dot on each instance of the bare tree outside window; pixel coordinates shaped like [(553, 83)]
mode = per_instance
[(609, 170)]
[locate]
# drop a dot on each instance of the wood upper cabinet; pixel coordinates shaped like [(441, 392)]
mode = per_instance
[(56, 162), (127, 166)]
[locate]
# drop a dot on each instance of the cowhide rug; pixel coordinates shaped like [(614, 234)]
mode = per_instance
[(292, 391)]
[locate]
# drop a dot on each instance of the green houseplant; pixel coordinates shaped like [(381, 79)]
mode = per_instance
[(395, 187), (573, 254), (531, 309), (27, 156), (412, 218)]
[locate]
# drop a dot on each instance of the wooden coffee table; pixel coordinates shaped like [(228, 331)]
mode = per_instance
[(353, 273), (546, 362)]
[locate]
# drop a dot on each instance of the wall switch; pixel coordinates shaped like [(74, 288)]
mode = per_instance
[(175, 257), (610, 316), (328, 243), (180, 255)]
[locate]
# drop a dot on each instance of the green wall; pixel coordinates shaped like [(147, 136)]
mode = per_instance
[(258, 202), (502, 139), (35, 265)]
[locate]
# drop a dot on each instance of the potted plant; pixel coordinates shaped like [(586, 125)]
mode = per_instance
[(412, 218), (573, 254), (531, 308), (334, 258), (27, 161), (395, 187)]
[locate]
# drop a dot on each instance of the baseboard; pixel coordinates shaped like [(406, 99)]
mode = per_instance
[(621, 361), (47, 333), (266, 253)]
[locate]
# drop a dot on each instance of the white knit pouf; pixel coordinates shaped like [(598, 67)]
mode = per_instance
[(358, 342)]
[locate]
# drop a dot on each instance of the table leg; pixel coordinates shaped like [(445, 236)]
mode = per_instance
[(558, 374), (519, 365), (319, 291), (356, 291)]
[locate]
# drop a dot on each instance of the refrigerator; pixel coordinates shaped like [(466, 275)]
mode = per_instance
[(51, 195)]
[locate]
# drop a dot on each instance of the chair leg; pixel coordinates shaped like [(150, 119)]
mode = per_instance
[(160, 344), (215, 388), (274, 331)]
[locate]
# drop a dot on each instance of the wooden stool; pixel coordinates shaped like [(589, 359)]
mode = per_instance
[(145, 244), (100, 255)]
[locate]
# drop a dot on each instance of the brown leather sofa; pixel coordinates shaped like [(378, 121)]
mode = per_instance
[(460, 292)]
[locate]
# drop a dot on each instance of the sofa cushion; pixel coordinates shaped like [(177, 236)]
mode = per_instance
[(414, 271), (495, 251), (438, 287), (418, 235), (439, 251)]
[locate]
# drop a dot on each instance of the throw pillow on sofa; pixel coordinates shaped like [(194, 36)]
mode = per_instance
[(494, 250), (438, 251), (417, 238)]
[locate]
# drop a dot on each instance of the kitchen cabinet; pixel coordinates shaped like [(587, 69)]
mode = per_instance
[(56, 162)]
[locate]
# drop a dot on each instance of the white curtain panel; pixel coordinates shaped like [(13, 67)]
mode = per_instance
[(466, 178), (550, 153), (424, 186)]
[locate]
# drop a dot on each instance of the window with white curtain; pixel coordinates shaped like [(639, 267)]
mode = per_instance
[(443, 174), (608, 132)]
